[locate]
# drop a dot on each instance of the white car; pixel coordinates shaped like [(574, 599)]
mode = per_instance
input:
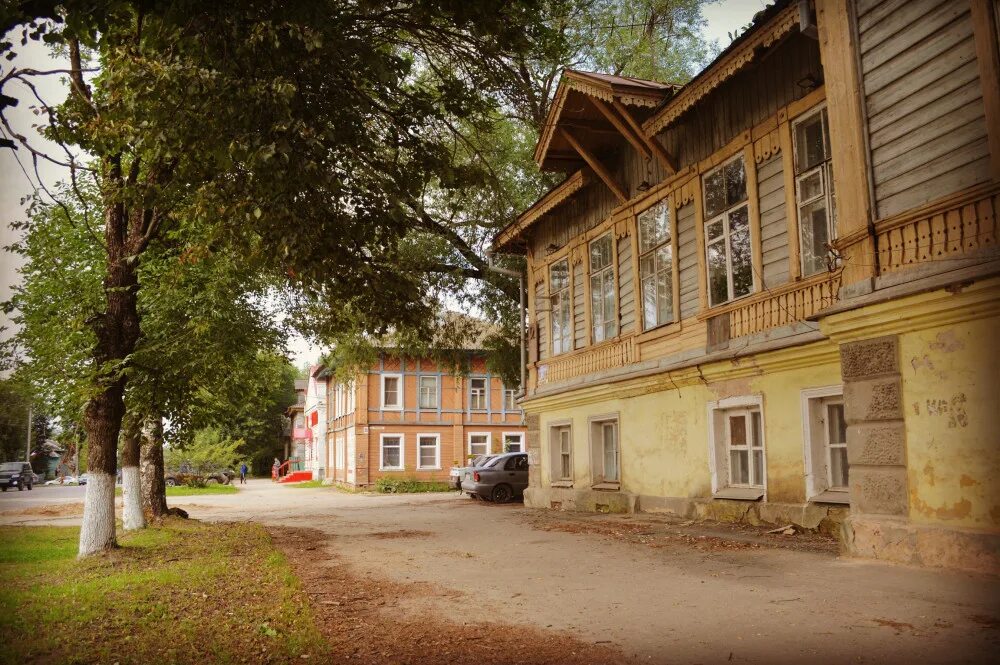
[(66, 480)]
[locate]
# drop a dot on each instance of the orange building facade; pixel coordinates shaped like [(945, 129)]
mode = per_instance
[(412, 418)]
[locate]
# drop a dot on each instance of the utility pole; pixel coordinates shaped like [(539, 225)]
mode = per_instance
[(27, 457)]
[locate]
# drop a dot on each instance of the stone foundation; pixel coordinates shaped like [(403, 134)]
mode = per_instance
[(825, 518), (901, 541)]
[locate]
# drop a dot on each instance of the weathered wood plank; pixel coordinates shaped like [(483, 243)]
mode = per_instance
[(907, 28), (898, 66), (955, 109)]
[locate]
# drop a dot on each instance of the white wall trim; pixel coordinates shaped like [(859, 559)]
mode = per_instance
[(519, 435), (437, 451), (806, 396), (489, 442), (402, 391), (381, 451), (755, 400)]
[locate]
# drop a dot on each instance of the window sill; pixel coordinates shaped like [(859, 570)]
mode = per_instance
[(561, 483), (428, 468), (394, 468), (390, 408), (663, 330), (608, 487), (842, 497), (740, 493)]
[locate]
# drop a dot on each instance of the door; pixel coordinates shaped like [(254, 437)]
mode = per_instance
[(516, 473)]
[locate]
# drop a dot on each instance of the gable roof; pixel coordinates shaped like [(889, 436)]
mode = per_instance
[(604, 87)]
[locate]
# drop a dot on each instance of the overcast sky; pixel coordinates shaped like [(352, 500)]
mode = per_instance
[(18, 178)]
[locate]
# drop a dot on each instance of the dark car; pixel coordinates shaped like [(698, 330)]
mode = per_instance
[(16, 474), (500, 479)]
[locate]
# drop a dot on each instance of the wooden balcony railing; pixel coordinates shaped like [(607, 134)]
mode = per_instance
[(780, 306), (965, 223), (587, 361)]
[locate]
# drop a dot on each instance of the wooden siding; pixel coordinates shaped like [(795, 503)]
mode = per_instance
[(926, 118), (626, 286), (761, 91), (542, 317), (773, 222), (579, 310), (587, 209), (687, 260)]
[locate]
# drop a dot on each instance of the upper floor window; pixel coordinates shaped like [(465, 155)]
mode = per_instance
[(604, 324), (509, 400), (392, 391), (562, 329), (478, 396), (656, 266), (727, 232), (814, 191), (428, 387)]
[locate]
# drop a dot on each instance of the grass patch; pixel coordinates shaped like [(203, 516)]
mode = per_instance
[(182, 592), (184, 490), (386, 485), (306, 484)]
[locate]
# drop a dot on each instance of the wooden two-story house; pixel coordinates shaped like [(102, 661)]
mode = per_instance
[(415, 418), (771, 293)]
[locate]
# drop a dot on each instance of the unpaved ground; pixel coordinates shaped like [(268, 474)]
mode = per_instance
[(656, 589)]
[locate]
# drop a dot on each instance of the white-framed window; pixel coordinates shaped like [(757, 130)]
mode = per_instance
[(429, 397), (814, 190), (561, 445), (428, 451), (727, 232), (605, 461), (392, 391), (479, 443), (603, 313), (561, 302), (391, 452), (825, 436), (478, 393), (737, 454), (656, 266), (509, 400), (513, 442)]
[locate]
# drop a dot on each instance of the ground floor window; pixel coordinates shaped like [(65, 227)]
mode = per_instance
[(479, 443), (428, 451), (391, 448), (737, 448), (561, 445), (513, 442), (604, 449), (825, 437)]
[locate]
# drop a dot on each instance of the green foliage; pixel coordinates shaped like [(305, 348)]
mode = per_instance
[(208, 453), (392, 485), (14, 401), (194, 592)]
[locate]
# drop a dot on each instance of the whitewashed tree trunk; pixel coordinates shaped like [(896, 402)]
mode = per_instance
[(132, 515), (98, 530)]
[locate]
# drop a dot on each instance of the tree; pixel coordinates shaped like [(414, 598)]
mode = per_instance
[(208, 453), (652, 39)]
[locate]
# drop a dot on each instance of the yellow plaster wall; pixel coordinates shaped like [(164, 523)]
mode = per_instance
[(664, 439), (951, 401)]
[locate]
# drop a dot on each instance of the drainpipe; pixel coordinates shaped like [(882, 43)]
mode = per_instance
[(520, 292)]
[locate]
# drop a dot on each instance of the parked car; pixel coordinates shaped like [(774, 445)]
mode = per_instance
[(500, 479), (82, 480), (64, 480), (460, 473), (175, 478), (16, 474)]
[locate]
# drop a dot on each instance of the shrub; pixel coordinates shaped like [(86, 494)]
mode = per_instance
[(389, 485)]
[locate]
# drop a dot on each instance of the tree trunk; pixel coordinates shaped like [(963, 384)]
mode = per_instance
[(154, 490), (132, 516), (117, 333)]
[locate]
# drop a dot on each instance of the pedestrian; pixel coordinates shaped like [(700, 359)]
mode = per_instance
[(275, 468), (243, 473)]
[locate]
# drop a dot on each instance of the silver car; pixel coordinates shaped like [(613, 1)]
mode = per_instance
[(459, 474), (500, 479)]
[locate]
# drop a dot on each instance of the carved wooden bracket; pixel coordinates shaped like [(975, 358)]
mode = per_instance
[(766, 147), (595, 164)]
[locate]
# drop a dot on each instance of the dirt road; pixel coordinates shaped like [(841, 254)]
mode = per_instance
[(661, 591)]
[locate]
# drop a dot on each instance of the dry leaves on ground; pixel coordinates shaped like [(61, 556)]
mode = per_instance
[(357, 617)]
